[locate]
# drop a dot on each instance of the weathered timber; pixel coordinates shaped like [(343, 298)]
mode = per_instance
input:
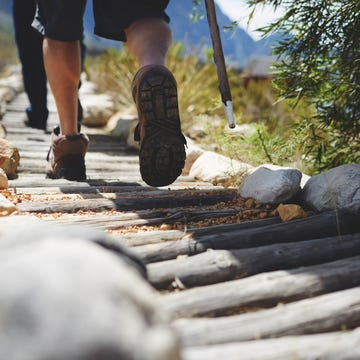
[(22, 187), (127, 203), (136, 239), (190, 244), (76, 186), (324, 313), (321, 225), (263, 290), (146, 217), (239, 236), (221, 265), (150, 237), (343, 345)]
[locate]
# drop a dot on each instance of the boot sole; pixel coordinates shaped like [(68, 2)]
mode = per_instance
[(162, 152)]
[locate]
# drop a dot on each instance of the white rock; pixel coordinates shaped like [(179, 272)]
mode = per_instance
[(65, 297), (217, 168), (97, 109), (6, 206), (87, 88), (130, 141), (193, 151), (2, 131), (337, 188), (7, 94), (9, 158), (4, 183), (304, 177), (14, 81), (120, 124), (271, 186)]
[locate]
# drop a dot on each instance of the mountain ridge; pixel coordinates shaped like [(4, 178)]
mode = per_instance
[(238, 45)]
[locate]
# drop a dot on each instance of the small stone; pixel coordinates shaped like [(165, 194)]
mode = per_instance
[(6, 207), (290, 212), (120, 123), (98, 109), (9, 158), (4, 183), (165, 227), (2, 129), (271, 186), (249, 203)]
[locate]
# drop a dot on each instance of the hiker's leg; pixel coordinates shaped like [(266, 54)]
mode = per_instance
[(149, 40), (63, 68), (29, 46), (61, 24)]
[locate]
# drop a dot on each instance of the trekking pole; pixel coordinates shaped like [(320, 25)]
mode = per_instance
[(219, 59)]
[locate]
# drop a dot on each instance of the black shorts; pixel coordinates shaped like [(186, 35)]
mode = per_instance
[(63, 19)]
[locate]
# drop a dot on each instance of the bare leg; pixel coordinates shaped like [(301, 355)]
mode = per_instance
[(63, 67), (162, 153), (149, 40)]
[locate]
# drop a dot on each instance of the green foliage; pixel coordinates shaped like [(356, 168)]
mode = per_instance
[(320, 62), (200, 103), (197, 82), (8, 52)]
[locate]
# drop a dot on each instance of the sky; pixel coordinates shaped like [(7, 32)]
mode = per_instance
[(239, 11)]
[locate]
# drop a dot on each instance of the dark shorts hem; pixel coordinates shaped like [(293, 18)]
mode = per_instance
[(63, 20)]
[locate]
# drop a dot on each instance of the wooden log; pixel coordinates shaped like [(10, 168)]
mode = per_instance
[(191, 243), (325, 224), (241, 236), (343, 345), (324, 313), (128, 203), (65, 186), (263, 290), (221, 265), (145, 217), (155, 237)]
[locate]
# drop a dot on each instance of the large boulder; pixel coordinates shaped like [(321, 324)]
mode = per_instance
[(71, 293), (336, 188), (9, 158)]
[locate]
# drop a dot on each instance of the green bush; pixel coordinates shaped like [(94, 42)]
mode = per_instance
[(319, 61), (280, 137)]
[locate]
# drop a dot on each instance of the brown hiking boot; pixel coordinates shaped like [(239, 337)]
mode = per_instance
[(66, 157), (162, 152)]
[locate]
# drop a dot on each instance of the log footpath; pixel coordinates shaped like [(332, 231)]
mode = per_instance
[(236, 282)]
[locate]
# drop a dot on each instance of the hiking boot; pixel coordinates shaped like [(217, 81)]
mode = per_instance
[(66, 157), (162, 145)]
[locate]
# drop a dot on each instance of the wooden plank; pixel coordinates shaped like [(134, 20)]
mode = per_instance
[(330, 312), (343, 345), (244, 237), (263, 290), (222, 265)]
